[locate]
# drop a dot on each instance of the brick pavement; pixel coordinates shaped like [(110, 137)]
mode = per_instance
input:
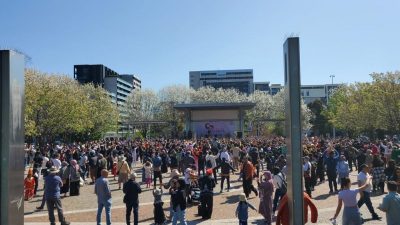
[(82, 209)]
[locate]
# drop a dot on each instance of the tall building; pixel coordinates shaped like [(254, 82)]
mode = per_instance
[(262, 86), (322, 92), (275, 88), (118, 86), (135, 80), (241, 80)]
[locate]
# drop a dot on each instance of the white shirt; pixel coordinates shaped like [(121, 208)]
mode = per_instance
[(362, 178), (56, 163), (212, 159), (306, 166), (225, 155), (44, 162), (277, 180)]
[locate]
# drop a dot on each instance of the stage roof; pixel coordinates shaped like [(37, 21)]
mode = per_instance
[(204, 106)]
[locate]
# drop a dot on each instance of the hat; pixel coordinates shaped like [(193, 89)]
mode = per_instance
[(133, 176), (209, 171), (121, 158), (242, 197), (53, 170)]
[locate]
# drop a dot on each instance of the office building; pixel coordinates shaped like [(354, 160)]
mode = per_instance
[(275, 88), (262, 86), (322, 92), (117, 86), (133, 79), (241, 80)]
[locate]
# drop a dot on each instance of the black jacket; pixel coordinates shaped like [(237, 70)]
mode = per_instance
[(178, 198), (206, 184), (132, 191)]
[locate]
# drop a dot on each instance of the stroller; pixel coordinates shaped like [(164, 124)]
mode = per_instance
[(194, 190)]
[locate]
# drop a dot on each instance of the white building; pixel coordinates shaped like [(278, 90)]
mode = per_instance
[(241, 79)]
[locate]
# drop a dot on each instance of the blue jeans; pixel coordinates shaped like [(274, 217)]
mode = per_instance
[(179, 215), (107, 205)]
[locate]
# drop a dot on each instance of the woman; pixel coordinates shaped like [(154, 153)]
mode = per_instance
[(75, 177), (123, 171), (348, 197), (178, 201), (266, 188), (342, 169), (64, 175), (396, 177)]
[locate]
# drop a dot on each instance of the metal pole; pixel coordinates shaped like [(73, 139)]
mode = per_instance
[(333, 127), (293, 130), (12, 91)]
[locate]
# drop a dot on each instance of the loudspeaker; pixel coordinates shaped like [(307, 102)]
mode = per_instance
[(189, 134)]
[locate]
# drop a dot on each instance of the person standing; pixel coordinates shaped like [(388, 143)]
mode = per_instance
[(178, 200), (331, 163), (157, 163), (53, 184), (280, 184), (132, 190), (242, 210), (362, 178), (123, 171), (307, 174), (207, 185), (342, 169), (102, 190), (391, 204), (266, 189)]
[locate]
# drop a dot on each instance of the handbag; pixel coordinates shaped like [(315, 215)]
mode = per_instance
[(81, 182)]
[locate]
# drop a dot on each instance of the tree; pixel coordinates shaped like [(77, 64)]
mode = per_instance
[(319, 122), (141, 107), (367, 108), (59, 107)]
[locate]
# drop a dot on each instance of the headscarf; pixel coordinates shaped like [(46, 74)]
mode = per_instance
[(267, 176), (75, 164)]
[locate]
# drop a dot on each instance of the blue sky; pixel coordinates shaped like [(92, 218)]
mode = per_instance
[(161, 41)]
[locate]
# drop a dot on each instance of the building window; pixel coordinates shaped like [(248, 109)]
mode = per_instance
[(308, 93)]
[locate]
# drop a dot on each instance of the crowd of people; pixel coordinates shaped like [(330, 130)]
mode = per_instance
[(193, 169)]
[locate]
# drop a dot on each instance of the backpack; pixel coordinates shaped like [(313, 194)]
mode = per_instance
[(208, 164)]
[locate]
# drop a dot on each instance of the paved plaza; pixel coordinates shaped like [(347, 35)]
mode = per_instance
[(82, 209)]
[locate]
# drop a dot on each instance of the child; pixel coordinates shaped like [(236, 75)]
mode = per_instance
[(242, 210), (29, 185), (114, 168), (148, 167), (159, 216)]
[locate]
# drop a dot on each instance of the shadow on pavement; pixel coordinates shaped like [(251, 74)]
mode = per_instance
[(322, 197)]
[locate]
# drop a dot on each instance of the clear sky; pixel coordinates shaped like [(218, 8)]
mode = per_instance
[(161, 41)]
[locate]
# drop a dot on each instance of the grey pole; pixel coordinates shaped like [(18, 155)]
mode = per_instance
[(333, 127), (12, 95), (293, 130)]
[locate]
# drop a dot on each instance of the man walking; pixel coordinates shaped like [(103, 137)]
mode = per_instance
[(331, 163), (362, 178), (102, 190), (52, 194), (132, 190)]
